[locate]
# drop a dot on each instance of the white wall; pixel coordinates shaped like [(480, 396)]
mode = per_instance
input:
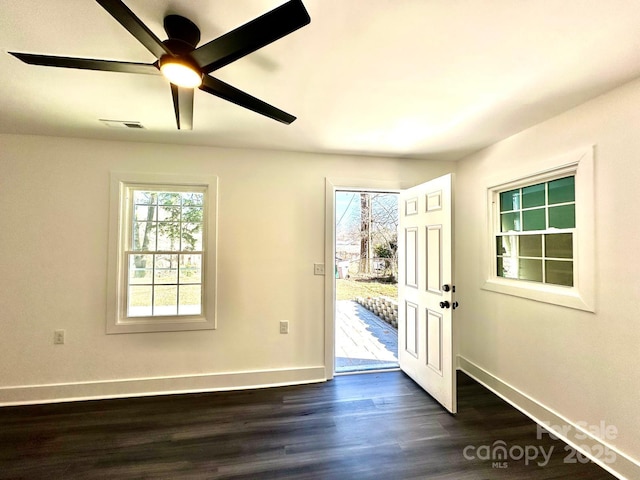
[(581, 366), (54, 196)]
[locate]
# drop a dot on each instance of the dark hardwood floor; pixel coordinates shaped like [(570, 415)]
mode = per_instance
[(372, 426)]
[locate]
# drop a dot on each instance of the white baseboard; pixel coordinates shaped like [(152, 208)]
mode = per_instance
[(139, 387), (614, 461)]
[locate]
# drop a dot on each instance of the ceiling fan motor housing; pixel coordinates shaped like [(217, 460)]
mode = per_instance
[(183, 34)]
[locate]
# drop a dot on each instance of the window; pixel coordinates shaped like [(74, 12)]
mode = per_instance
[(162, 258), (542, 234), (536, 231), (163, 251)]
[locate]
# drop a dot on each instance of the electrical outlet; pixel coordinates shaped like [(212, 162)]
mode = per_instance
[(58, 337), (318, 268), (284, 326)]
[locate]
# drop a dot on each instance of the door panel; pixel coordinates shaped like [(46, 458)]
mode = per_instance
[(411, 329), (411, 206), (411, 249), (425, 264), (434, 201), (434, 258), (434, 341)]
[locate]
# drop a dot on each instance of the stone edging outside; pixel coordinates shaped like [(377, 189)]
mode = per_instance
[(384, 307)]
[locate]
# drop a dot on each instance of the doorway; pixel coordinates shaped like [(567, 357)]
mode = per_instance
[(366, 272), (425, 328)]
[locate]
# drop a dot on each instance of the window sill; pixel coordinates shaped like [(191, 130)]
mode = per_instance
[(159, 324), (556, 295)]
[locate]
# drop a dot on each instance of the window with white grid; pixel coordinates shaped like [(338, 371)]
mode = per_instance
[(542, 232), (164, 268), (164, 251), (534, 238)]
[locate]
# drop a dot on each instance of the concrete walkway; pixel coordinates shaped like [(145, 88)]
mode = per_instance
[(363, 341)]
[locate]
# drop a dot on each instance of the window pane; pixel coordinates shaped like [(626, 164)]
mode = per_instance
[(534, 219), (530, 270), (141, 269), (559, 273), (510, 222), (169, 214), (141, 197), (166, 269), (192, 198), (559, 245), (531, 245), (169, 236), (190, 300), (191, 268), (562, 217), (562, 190), (507, 267), (168, 198), (191, 236), (533, 196), (139, 301), (192, 214), (503, 245), (510, 200), (143, 236), (165, 300), (145, 213)]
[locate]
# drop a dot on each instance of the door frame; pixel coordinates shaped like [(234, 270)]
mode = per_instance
[(331, 186)]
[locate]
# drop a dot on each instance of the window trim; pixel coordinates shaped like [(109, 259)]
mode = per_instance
[(117, 321), (582, 295)]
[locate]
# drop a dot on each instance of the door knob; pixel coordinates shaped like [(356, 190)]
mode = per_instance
[(455, 305), (446, 287), (445, 304)]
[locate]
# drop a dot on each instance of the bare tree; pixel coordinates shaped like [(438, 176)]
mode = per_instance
[(140, 261), (370, 226), (365, 231), (383, 228)]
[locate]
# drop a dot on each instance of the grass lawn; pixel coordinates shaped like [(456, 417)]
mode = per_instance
[(350, 289)]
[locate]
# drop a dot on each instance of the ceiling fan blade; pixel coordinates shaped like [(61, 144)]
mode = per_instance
[(134, 25), (251, 36), (87, 63), (227, 92), (183, 106)]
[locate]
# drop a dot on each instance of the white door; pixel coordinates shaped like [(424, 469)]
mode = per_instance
[(426, 299)]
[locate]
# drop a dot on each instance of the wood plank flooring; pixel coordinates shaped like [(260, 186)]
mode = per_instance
[(370, 426)]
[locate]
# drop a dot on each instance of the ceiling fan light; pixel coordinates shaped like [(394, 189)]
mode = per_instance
[(180, 72)]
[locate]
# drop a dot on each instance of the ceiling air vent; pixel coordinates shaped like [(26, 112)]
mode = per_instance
[(121, 123)]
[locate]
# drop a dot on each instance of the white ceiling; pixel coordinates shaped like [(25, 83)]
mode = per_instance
[(404, 78)]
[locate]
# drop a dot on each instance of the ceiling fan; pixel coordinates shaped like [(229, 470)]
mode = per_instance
[(186, 66)]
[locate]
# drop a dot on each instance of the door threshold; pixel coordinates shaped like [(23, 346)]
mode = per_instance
[(360, 372)]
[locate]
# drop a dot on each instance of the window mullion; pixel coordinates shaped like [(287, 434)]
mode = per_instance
[(544, 258), (521, 215), (544, 237), (546, 205), (157, 223), (153, 284)]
